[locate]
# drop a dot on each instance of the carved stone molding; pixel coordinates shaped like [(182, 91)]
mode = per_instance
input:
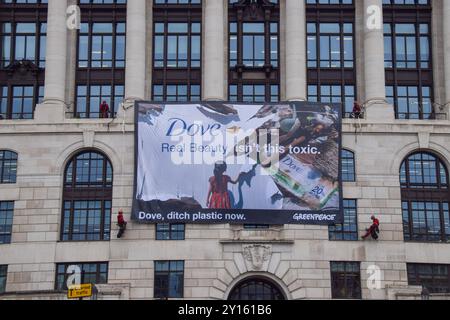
[(21, 68), (256, 255), (253, 10)]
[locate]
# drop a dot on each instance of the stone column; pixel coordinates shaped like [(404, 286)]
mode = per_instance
[(214, 50), (446, 34), (374, 74), (295, 50), (55, 65), (135, 52)]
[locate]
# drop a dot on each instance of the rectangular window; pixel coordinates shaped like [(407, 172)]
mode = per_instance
[(176, 92), (329, 2), (18, 102), (407, 45), (6, 221), (24, 1), (103, 1), (90, 98), (408, 58), (91, 272), (3, 277), (348, 230), (177, 45), (170, 231), (231, 2), (435, 277), (411, 102), (426, 221), (348, 168), (22, 102), (253, 93), (8, 166), (22, 41), (330, 45), (86, 220), (256, 37), (406, 2), (253, 43), (345, 280), (334, 94), (169, 279), (101, 45), (177, 2)]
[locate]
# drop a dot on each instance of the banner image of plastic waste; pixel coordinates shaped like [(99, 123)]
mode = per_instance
[(224, 162)]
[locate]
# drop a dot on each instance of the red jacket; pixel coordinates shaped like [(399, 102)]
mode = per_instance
[(104, 108), (120, 219), (376, 222)]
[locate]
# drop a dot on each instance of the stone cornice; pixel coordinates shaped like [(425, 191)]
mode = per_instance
[(349, 127)]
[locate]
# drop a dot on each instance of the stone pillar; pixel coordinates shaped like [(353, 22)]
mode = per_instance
[(446, 35), (135, 51), (214, 50), (54, 104), (295, 50), (374, 74)]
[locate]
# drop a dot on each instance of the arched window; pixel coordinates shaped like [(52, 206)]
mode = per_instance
[(8, 166), (87, 198), (256, 289), (348, 166), (425, 198)]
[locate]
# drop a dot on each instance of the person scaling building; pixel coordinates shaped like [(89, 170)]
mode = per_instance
[(104, 110)]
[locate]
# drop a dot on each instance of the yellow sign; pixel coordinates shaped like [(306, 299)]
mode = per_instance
[(79, 291)]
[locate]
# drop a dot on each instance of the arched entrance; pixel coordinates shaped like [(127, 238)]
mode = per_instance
[(256, 288)]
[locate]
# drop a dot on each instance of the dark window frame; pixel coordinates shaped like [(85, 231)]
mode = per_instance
[(98, 273), (6, 208), (164, 75), (341, 232), (87, 192), (162, 280), (92, 3), (340, 280), (11, 75), (89, 112), (170, 234), (416, 195), (241, 290), (241, 75), (177, 97), (3, 278), (12, 156), (342, 76), (419, 76), (414, 277), (346, 156), (90, 76), (90, 34)]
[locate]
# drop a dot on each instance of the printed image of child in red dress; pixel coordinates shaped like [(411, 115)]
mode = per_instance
[(218, 196)]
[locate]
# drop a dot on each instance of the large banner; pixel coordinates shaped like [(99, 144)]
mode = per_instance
[(216, 162)]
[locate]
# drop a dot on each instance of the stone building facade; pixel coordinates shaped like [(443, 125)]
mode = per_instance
[(296, 260)]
